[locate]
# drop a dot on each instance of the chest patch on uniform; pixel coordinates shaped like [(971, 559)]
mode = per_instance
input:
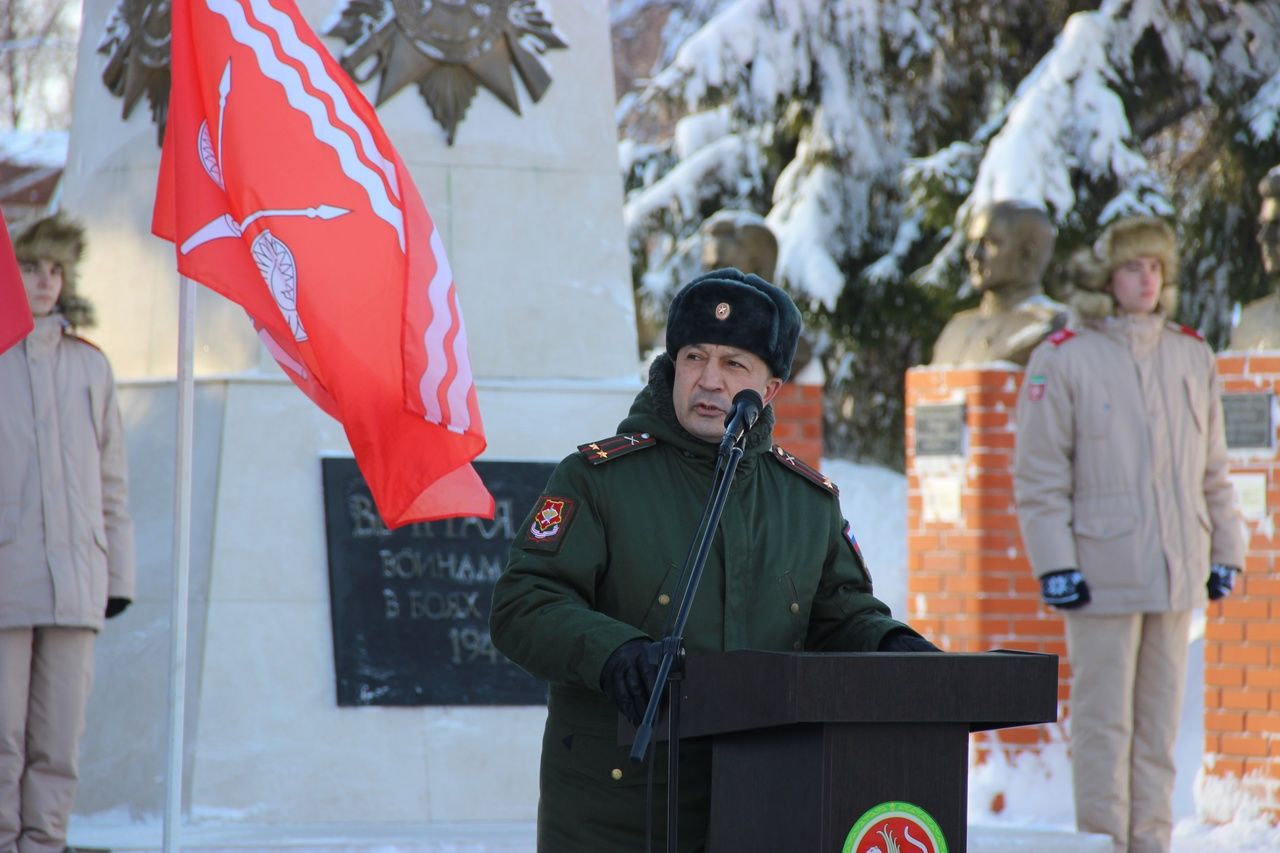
[(606, 449), (1035, 388), (804, 469), (550, 523)]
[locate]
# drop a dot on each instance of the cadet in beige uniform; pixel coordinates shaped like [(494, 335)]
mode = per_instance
[(1128, 519), (66, 540)]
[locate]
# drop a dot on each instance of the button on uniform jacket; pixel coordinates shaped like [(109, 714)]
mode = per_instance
[(66, 539), (596, 565), (1121, 464)]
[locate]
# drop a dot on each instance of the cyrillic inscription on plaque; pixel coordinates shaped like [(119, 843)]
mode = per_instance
[(1247, 419), (940, 429)]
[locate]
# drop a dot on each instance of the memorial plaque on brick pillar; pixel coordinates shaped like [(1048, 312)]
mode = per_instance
[(969, 585), (1242, 634)]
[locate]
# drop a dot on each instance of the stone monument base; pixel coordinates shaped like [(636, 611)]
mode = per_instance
[(266, 742)]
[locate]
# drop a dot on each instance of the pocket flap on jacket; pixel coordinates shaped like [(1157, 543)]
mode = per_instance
[(1104, 517)]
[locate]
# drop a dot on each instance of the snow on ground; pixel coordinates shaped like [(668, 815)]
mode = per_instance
[(1036, 790)]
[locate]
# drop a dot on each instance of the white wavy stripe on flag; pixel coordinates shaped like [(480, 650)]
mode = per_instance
[(460, 388), (311, 106), (458, 418), (320, 80)]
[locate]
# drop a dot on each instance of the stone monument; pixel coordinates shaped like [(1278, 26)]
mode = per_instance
[(1259, 326), (1010, 245), (528, 203)]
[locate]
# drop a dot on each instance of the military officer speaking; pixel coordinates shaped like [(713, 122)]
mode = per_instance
[(592, 576)]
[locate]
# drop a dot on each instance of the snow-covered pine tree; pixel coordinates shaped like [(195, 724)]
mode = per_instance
[(865, 131)]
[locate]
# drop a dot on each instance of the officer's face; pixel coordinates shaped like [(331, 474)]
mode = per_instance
[(708, 376)]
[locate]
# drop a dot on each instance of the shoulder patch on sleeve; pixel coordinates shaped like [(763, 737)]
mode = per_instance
[(605, 449), (549, 524), (857, 550), (1185, 330), (1060, 337), (804, 469)]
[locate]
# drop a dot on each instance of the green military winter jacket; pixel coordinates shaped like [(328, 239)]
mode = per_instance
[(596, 564)]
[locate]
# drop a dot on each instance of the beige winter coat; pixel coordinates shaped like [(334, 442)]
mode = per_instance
[(66, 539), (1121, 464)]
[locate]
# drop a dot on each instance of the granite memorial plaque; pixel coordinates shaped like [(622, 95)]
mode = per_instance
[(1247, 419), (940, 429), (410, 607)]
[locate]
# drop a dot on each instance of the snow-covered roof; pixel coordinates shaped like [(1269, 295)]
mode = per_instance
[(43, 148)]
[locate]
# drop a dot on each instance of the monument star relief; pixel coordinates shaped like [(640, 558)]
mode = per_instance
[(447, 47)]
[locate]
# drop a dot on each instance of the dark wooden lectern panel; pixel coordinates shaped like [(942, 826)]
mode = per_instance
[(805, 744)]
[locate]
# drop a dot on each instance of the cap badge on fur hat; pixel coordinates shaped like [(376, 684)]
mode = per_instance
[(722, 311)]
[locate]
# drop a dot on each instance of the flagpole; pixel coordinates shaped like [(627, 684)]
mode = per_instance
[(182, 562)]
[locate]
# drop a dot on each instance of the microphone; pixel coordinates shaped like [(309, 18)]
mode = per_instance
[(741, 418)]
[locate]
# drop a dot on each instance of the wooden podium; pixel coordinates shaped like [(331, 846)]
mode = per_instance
[(805, 744)]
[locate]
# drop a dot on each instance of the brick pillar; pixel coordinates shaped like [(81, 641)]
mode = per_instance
[(969, 585), (798, 412), (1242, 634)]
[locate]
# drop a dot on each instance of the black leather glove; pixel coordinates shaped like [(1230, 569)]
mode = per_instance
[(902, 640), (116, 606), (628, 677), (1222, 579), (1064, 589)]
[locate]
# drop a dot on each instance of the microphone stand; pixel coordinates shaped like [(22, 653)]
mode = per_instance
[(671, 668)]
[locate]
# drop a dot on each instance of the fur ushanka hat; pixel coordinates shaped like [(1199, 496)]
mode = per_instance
[(727, 307), (1121, 242), (56, 238)]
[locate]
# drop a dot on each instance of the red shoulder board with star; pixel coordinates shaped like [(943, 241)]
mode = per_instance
[(599, 452), (1060, 337), (1186, 330), (804, 469)]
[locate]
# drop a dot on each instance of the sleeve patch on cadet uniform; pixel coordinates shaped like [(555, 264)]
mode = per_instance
[(550, 523), (1035, 387), (1060, 337), (804, 469), (599, 452)]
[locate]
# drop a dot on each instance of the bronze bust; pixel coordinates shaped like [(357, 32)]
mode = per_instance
[(1259, 326), (739, 239), (1010, 245)]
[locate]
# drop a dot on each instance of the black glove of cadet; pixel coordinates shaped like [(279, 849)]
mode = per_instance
[(629, 675), (1064, 589), (1222, 579), (116, 606), (902, 640)]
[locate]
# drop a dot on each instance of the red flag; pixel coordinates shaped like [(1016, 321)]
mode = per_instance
[(15, 310), (280, 190)]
